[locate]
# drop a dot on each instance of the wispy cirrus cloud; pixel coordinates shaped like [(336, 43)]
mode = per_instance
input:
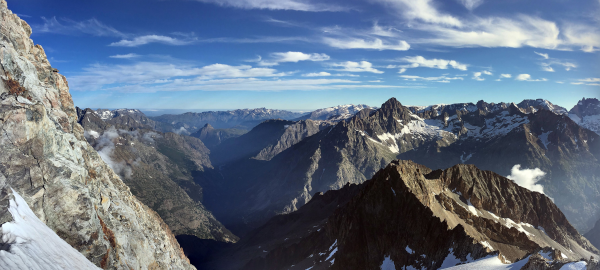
[(147, 39), (518, 31), (327, 74), (69, 27), (545, 55), (375, 38), (164, 76), (471, 4), (588, 81), (291, 57), (298, 5), (362, 66), (441, 79), (422, 11), (125, 56)]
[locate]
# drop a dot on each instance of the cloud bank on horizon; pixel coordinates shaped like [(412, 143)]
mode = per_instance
[(307, 45)]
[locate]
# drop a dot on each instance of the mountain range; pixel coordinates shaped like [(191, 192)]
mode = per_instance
[(492, 136)]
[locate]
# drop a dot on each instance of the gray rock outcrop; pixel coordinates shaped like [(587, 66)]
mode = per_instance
[(46, 159)]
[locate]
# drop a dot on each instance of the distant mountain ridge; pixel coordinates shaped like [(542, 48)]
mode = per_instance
[(243, 118), (336, 113)]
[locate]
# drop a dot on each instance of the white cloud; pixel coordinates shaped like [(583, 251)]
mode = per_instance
[(527, 178), (505, 76), (105, 147), (363, 66), (477, 76), (471, 4), (420, 61), (70, 27), (442, 79), (402, 70), (299, 5), (527, 77), (143, 40), (421, 10), (588, 81), (384, 31), (486, 72), (547, 68), (545, 55), (294, 57), (320, 74), (359, 43), (125, 56)]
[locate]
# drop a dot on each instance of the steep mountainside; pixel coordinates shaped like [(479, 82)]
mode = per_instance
[(409, 216), (46, 159), (212, 137), (594, 235), (492, 136), (159, 169), (244, 119), (336, 113), (266, 140), (587, 114)]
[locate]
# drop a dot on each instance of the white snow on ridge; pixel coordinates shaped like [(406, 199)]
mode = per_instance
[(491, 262), (591, 122), (32, 245), (575, 266)]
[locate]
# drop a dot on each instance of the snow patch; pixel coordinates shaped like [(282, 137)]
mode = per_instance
[(575, 266), (544, 139), (32, 245)]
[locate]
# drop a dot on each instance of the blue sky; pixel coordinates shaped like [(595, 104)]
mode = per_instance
[(304, 54)]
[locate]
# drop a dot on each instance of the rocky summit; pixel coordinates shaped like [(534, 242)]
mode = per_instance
[(410, 217), (48, 162)]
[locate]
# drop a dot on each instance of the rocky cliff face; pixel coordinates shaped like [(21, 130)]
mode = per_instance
[(159, 168), (408, 216), (46, 159), (212, 137), (587, 114), (594, 235)]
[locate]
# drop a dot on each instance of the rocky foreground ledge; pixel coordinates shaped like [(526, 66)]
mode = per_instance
[(46, 159)]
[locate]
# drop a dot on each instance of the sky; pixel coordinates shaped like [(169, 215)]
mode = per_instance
[(305, 54)]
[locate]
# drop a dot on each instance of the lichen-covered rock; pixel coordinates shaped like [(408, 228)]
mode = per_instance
[(46, 159)]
